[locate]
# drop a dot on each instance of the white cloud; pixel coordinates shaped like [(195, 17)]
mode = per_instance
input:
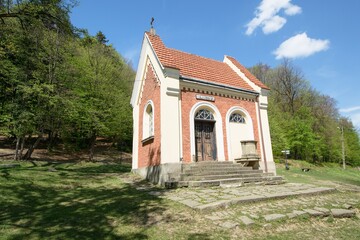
[(273, 24), (350, 109), (356, 120), (354, 114), (299, 46), (266, 16), (292, 10)]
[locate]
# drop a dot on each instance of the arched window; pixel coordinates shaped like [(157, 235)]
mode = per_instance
[(148, 121), (204, 114), (237, 118), (150, 114)]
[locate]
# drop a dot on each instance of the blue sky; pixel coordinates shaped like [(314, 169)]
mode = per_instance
[(321, 37)]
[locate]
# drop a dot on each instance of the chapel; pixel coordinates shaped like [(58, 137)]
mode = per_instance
[(190, 110)]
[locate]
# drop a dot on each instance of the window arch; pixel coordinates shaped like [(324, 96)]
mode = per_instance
[(148, 121), (204, 114), (237, 118), (218, 128)]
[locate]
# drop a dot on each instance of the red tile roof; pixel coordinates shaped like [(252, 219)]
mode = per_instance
[(200, 68), (162, 52)]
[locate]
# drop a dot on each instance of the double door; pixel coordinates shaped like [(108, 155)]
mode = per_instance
[(205, 141)]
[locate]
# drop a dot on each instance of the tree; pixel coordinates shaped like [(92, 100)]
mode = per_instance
[(261, 72), (351, 141), (287, 82), (101, 94), (58, 83), (304, 120)]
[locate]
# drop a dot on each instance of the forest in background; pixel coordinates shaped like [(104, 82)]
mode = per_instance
[(61, 85), (305, 121), (57, 82)]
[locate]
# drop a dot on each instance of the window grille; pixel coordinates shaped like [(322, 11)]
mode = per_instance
[(237, 118), (204, 114)]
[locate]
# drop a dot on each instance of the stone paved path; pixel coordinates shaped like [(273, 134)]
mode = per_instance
[(206, 199), (229, 208)]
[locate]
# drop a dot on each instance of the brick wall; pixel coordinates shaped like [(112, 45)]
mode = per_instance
[(150, 151), (223, 103)]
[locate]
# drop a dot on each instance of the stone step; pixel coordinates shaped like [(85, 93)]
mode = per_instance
[(227, 181), (210, 165), (225, 167), (252, 180), (218, 176), (218, 172)]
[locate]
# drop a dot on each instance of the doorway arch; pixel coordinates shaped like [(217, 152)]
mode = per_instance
[(217, 129), (205, 136)]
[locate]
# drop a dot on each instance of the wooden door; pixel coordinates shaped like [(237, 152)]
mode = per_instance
[(205, 141)]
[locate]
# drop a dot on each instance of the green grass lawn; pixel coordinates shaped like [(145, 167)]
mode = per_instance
[(319, 174), (43, 200), (71, 201)]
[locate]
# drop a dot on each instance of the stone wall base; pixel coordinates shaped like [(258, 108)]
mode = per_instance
[(270, 167), (160, 174)]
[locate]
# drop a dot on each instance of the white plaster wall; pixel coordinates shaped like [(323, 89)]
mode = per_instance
[(135, 137), (263, 123), (238, 132), (267, 140), (235, 136), (170, 119)]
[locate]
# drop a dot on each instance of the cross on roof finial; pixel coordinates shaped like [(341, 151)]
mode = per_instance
[(152, 22), (152, 30)]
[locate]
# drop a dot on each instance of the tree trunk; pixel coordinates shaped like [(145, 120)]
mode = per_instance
[(31, 149), (51, 139), (16, 156), (92, 146), (22, 147)]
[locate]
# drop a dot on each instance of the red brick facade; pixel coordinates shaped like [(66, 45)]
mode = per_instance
[(150, 150), (228, 84), (223, 103)]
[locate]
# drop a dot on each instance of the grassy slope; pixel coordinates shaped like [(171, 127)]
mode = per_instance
[(318, 174), (87, 201), (92, 201)]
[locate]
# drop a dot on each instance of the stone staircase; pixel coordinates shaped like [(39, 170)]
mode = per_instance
[(225, 174)]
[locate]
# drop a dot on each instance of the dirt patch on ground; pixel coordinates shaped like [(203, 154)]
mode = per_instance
[(104, 151)]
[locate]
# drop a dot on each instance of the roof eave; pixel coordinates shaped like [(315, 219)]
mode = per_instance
[(223, 86)]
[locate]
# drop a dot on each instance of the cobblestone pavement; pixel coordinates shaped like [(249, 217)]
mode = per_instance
[(230, 208), (206, 199)]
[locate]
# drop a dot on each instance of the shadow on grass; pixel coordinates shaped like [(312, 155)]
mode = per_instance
[(55, 210)]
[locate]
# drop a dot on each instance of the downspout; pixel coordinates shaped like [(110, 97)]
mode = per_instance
[(262, 138)]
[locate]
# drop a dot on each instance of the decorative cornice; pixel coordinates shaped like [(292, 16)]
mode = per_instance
[(215, 93)]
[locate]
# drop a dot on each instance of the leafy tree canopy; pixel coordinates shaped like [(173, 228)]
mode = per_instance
[(57, 83), (304, 120)]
